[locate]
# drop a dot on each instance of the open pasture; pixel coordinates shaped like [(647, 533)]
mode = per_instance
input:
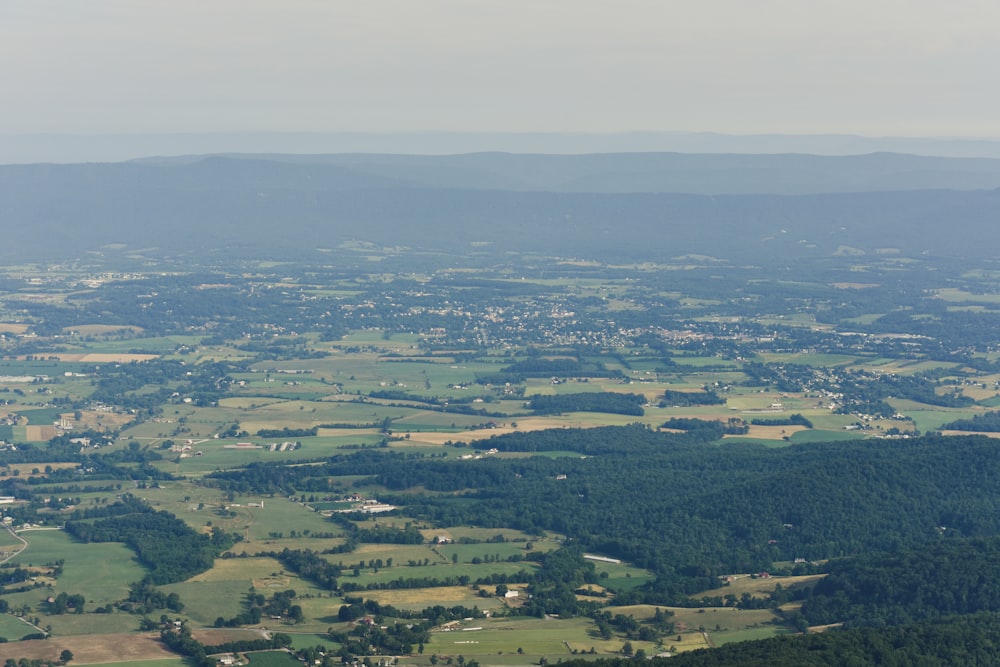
[(8, 541), (620, 576), (771, 432), (124, 649), (37, 469), (429, 420), (725, 625), (101, 572), (32, 368), (273, 659), (158, 345), (216, 455), (908, 366), (809, 358), (416, 599), (216, 636), (760, 586), (103, 330), (385, 367), (929, 418), (220, 591), (98, 421), (720, 625), (66, 625), (257, 412), (307, 640), (546, 387), (985, 388), (958, 295), (13, 628), (205, 601), (482, 435), (484, 534), (278, 515), (686, 362), (552, 638), (105, 357), (466, 553), (401, 554)]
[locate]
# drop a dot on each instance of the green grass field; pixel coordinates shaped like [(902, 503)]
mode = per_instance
[(497, 640), (178, 662), (809, 359), (273, 659), (13, 629), (927, 418), (467, 552), (620, 576), (278, 515), (308, 640), (100, 572)]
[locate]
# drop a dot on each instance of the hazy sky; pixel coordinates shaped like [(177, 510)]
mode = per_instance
[(876, 67)]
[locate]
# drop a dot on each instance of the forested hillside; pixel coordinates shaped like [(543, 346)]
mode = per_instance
[(693, 510)]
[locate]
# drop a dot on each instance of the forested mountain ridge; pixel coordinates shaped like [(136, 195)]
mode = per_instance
[(691, 173), (293, 209)]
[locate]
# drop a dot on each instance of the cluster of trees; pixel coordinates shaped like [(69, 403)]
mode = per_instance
[(144, 598), (372, 638), (310, 565), (685, 399), (287, 432), (598, 401), (659, 625), (409, 534), (13, 575), (64, 603), (792, 420), (941, 578), (65, 657), (257, 606), (988, 422), (708, 429)]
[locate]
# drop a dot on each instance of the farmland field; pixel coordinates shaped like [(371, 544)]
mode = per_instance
[(127, 649), (402, 402)]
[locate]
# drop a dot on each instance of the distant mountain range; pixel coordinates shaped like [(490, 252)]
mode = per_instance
[(617, 206), (71, 148)]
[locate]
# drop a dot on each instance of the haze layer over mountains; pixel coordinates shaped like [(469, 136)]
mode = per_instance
[(613, 206)]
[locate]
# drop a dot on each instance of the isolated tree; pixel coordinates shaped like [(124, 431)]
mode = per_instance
[(65, 656)]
